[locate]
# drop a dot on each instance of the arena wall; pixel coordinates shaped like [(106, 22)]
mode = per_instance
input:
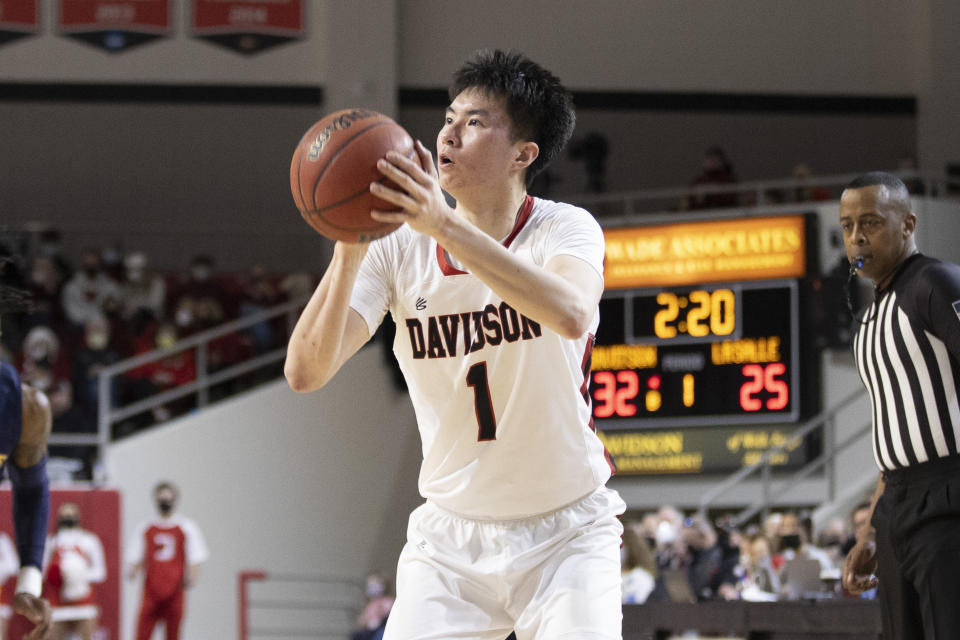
[(320, 483)]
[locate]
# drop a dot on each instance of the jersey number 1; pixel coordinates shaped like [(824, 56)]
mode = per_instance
[(482, 405)]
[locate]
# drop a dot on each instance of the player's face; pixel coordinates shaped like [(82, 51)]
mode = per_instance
[(475, 146), (875, 229)]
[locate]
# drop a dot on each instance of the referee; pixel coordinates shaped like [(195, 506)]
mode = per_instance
[(907, 351)]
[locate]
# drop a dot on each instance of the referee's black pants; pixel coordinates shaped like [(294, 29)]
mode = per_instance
[(917, 522)]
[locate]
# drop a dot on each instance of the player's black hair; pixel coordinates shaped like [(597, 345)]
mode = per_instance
[(12, 297), (895, 186), (540, 108)]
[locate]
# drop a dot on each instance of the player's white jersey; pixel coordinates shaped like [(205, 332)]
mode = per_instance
[(502, 402)]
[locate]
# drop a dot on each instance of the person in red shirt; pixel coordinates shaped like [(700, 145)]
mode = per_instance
[(168, 551)]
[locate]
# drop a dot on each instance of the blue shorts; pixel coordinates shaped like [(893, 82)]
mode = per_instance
[(11, 410)]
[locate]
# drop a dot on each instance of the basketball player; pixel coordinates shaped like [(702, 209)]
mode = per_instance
[(907, 350), (496, 302), (74, 563), (25, 422), (168, 550)]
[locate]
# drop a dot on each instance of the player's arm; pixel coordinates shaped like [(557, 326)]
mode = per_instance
[(97, 571), (197, 552), (134, 554), (563, 294), (328, 331), (861, 562), (190, 578), (943, 305), (31, 507)]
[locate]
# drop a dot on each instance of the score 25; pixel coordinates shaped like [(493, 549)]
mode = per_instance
[(764, 378)]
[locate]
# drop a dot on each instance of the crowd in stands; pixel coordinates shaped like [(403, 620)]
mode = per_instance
[(714, 187), (111, 306), (667, 556)]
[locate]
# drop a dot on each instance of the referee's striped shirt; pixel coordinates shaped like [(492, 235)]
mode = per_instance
[(907, 351)]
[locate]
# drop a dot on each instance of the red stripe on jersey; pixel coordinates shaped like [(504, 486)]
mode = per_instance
[(609, 458), (522, 216), (585, 391), (585, 368)]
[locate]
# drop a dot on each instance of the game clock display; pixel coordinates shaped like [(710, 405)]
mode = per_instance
[(698, 355)]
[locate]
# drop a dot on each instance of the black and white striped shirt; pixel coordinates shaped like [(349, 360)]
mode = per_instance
[(907, 350)]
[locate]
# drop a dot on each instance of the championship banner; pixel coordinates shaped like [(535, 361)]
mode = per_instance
[(99, 514), (114, 26), (248, 26), (18, 19)]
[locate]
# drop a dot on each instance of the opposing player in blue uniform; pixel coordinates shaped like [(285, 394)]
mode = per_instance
[(25, 421)]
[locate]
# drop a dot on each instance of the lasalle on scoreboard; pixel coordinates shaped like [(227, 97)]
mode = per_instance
[(700, 351)]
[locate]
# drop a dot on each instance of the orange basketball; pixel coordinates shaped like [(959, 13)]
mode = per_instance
[(333, 166)]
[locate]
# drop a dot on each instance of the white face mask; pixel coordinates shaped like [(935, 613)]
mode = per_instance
[(37, 352), (184, 317), (374, 589), (97, 340), (666, 533)]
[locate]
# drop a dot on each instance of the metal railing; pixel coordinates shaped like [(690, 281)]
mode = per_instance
[(754, 194), (108, 413), (295, 605), (612, 208), (769, 495)]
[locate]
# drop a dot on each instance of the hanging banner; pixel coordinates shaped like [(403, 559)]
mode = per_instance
[(18, 19), (114, 26), (247, 26)]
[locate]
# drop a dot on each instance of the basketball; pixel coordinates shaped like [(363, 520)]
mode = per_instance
[(333, 166)]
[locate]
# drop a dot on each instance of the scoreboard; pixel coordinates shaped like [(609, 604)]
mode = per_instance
[(702, 339), (699, 356)]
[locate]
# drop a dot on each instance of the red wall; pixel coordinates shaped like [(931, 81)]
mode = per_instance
[(99, 513)]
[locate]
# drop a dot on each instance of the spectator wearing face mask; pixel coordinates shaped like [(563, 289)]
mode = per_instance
[(89, 291), (95, 353), (45, 288), (638, 567), (44, 366), (373, 619), (176, 369), (74, 563), (143, 293), (201, 301), (167, 551), (794, 542)]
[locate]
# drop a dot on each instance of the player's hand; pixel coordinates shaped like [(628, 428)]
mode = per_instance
[(859, 567), (37, 611), (420, 197)]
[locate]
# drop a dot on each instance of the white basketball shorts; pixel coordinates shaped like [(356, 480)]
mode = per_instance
[(547, 577)]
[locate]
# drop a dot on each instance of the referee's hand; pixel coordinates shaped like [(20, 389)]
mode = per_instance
[(859, 567)]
